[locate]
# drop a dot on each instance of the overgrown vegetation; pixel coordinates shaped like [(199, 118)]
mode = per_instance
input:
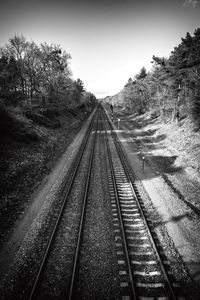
[(34, 75), (172, 88), (30, 145), (41, 109)]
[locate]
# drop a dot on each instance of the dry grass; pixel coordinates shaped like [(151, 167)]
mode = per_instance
[(183, 139)]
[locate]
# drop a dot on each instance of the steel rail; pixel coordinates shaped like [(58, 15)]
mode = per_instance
[(120, 216), (91, 159), (72, 178), (128, 171)]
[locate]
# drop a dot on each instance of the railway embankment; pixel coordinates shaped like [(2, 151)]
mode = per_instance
[(171, 149), (31, 144), (150, 249), (165, 159)]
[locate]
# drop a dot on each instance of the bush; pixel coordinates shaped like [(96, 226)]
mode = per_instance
[(51, 114), (42, 120), (12, 98), (11, 127)]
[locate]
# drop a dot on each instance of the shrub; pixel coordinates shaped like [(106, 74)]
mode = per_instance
[(42, 120), (11, 127)]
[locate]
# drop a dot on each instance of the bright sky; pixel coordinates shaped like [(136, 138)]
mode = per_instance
[(109, 40)]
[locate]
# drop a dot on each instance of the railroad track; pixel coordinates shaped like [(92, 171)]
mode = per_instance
[(143, 267), (144, 272), (38, 289)]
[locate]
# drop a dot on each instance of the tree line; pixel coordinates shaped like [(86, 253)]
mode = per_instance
[(38, 75), (172, 87)]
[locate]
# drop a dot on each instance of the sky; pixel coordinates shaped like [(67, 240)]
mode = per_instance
[(109, 40)]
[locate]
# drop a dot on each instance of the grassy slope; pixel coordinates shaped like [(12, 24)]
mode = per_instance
[(30, 145), (182, 139)]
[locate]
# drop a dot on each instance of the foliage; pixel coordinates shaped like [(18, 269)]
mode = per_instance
[(172, 87), (79, 84), (37, 75), (11, 127)]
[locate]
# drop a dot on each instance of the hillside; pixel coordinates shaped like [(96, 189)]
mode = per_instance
[(171, 149), (31, 143), (182, 138)]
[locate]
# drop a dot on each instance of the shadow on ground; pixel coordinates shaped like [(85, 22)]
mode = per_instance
[(165, 163), (174, 219), (135, 121), (143, 141)]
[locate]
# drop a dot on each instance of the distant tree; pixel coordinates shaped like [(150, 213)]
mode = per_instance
[(42, 70), (18, 48), (142, 74), (9, 78), (159, 61), (53, 69), (141, 88), (172, 87), (79, 84)]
